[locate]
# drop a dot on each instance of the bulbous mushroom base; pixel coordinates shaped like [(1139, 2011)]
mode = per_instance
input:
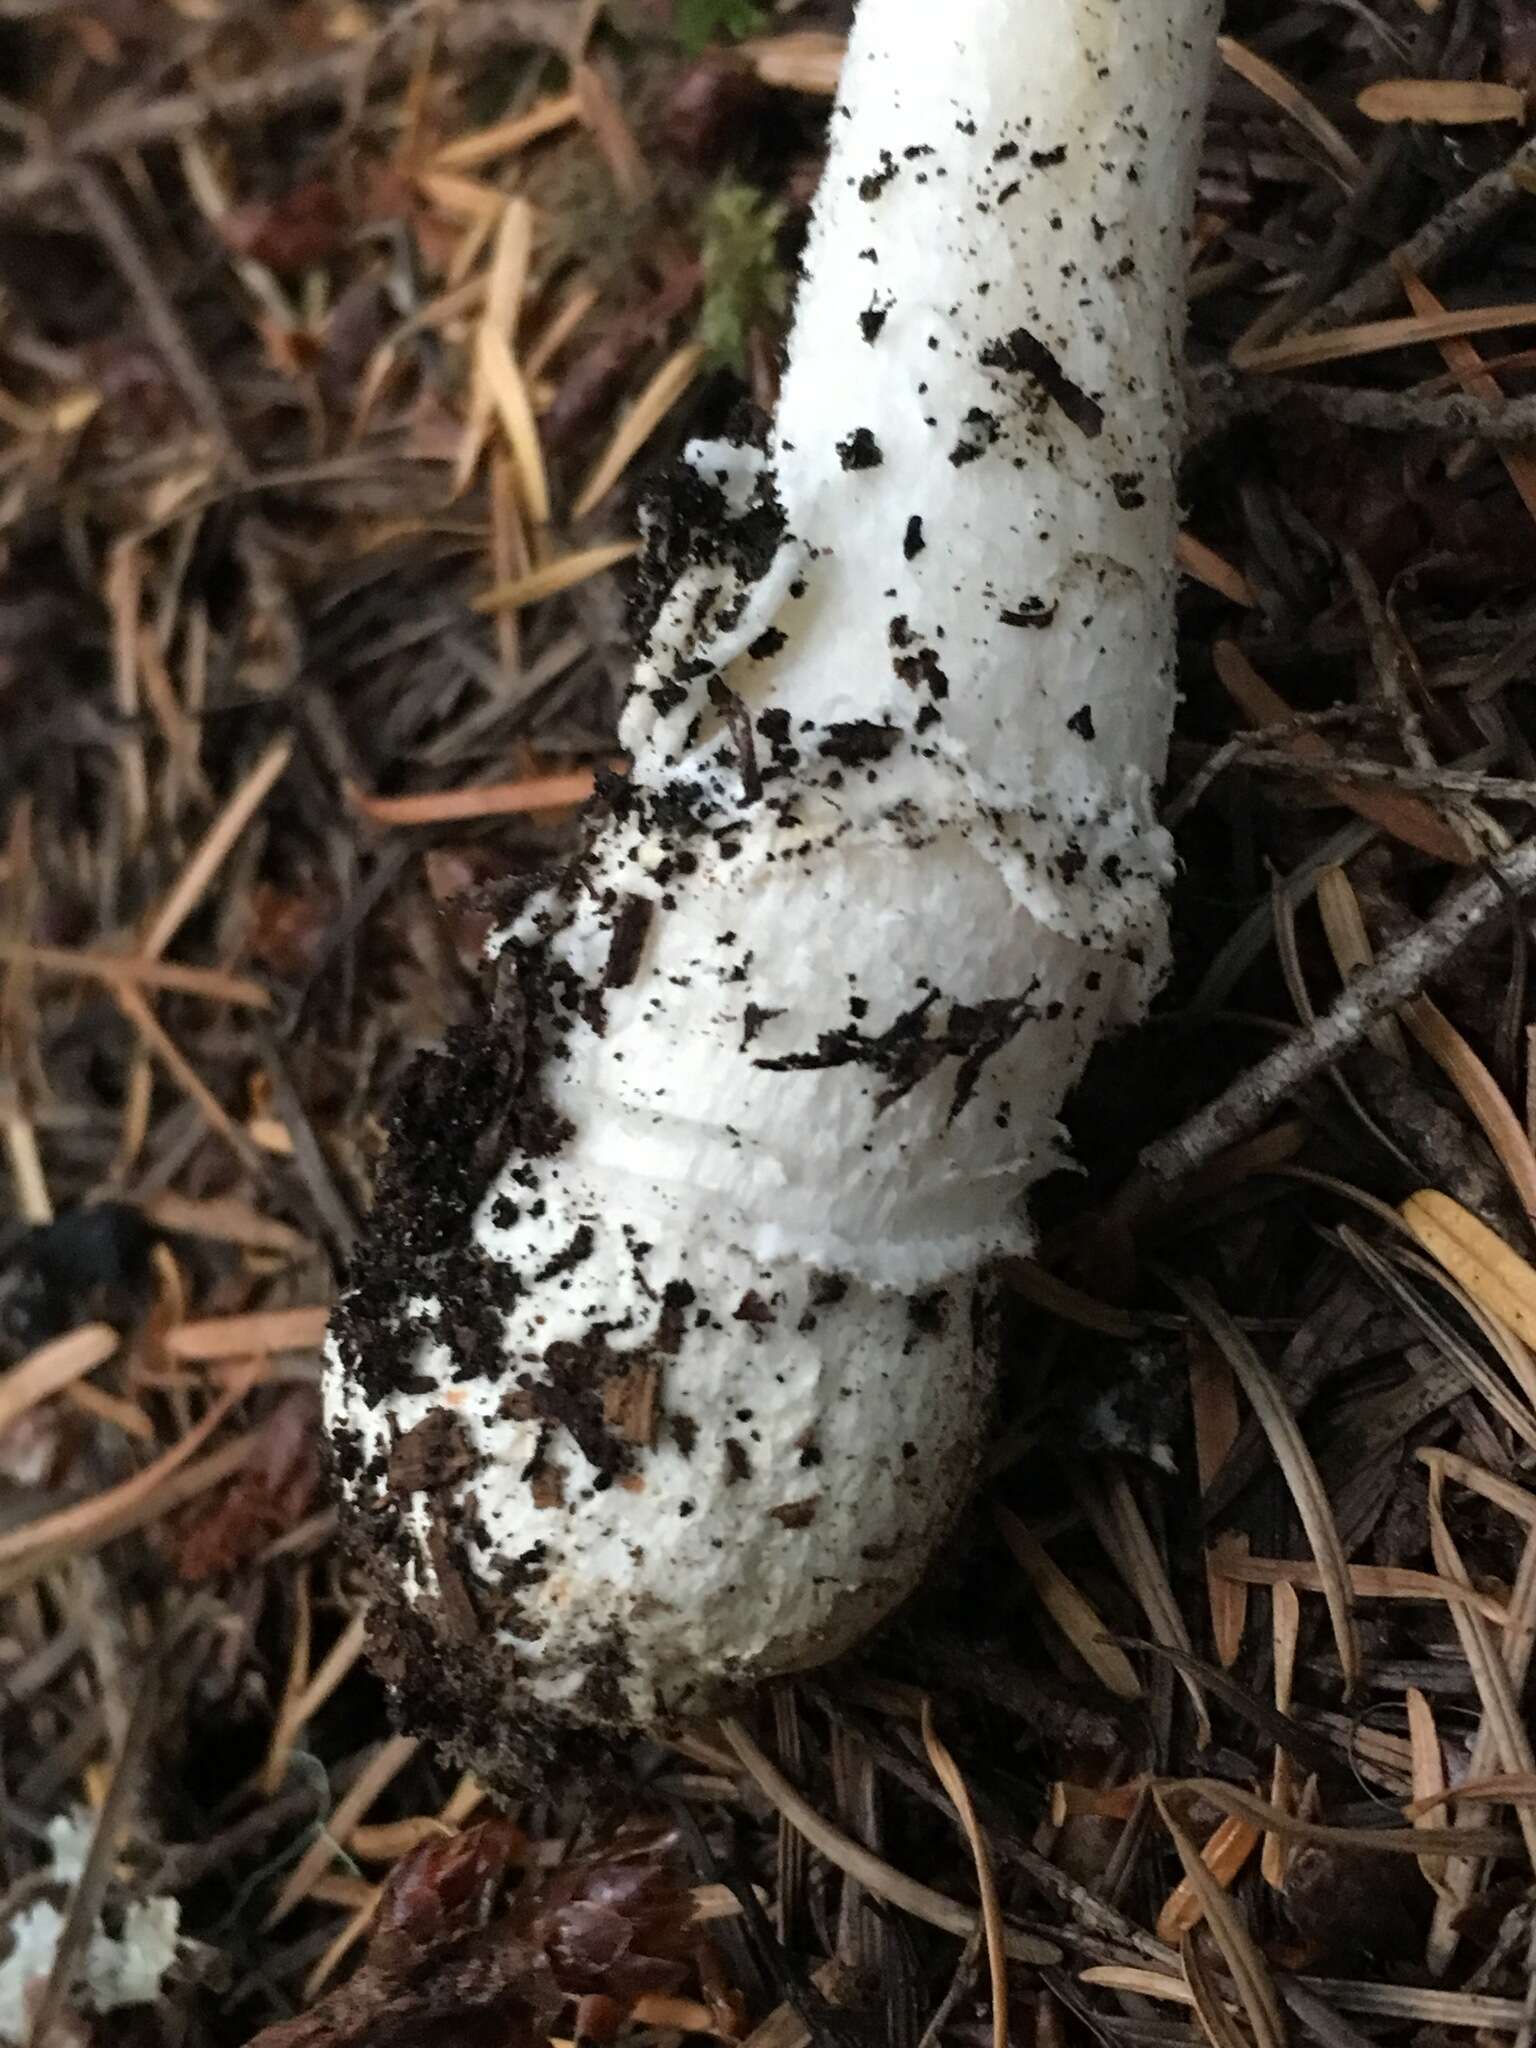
[(605, 1474)]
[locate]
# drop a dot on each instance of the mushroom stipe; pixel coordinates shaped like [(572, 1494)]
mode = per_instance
[(666, 1361)]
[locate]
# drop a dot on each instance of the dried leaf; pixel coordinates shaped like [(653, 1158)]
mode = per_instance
[(273, 1491), (303, 228)]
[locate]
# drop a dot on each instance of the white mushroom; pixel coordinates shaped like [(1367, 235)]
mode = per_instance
[(665, 1366)]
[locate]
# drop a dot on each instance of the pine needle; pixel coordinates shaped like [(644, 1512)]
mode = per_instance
[(551, 577), (1071, 1610), (52, 1367), (1447, 102), (1293, 1458), (951, 1777), (638, 424), (1477, 1257), (1250, 1973), (556, 792), (856, 1861), (481, 146), (1376, 337)]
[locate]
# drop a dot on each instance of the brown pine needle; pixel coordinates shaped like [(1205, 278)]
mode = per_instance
[(1213, 1406), (33, 1201), (375, 1778), (1213, 570), (1403, 1841), (509, 396), (160, 1043), (605, 121), (170, 975), (1250, 1973), (562, 574), (482, 146), (1375, 337), (225, 1219), (1070, 1609), (1292, 1456), (121, 1517), (556, 792), (1284, 93), (1285, 1634), (1472, 373), (1482, 1095), (305, 1696), (1517, 1788), (1428, 1803), (856, 1861), (389, 1840), (463, 198), (505, 282), (950, 1776), (806, 60), (1504, 1493), (1385, 2001), (1033, 1283), (124, 1415), (1106, 1802), (1112, 1512), (369, 1899), (1405, 817), (1365, 1581), (1217, 2020), (1449, 102), (1494, 1275), (249, 1336), (1350, 944), (66, 1525), (1227, 1848), (638, 424), (562, 324), (53, 1367), (211, 851), (1496, 1691)]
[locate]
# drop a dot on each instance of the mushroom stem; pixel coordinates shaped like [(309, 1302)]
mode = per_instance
[(665, 1367)]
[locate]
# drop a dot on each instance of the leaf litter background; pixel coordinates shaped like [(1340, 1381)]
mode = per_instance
[(337, 342)]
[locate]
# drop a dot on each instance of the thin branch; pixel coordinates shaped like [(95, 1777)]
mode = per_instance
[(1472, 210), (1452, 414), (1399, 973)]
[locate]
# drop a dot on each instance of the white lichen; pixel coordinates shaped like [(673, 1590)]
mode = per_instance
[(116, 1970)]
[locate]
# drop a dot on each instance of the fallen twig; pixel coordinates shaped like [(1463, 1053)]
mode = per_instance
[(1400, 973)]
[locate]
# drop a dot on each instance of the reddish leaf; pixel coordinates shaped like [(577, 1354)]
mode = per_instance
[(272, 1492), (294, 233), (288, 927)]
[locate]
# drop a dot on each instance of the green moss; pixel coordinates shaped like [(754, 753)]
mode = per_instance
[(745, 285), (699, 22)]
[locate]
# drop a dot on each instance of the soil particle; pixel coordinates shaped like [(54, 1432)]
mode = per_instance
[(1027, 355), (436, 1452)]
